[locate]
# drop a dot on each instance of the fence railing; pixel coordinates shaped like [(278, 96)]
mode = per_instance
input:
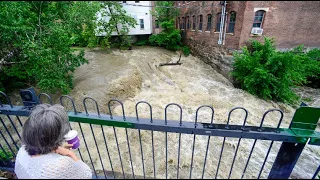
[(300, 132)]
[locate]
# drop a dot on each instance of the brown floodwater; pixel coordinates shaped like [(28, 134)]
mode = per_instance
[(135, 75)]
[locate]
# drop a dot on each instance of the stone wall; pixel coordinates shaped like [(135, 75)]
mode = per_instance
[(218, 58)]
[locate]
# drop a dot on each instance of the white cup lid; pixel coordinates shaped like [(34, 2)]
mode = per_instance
[(70, 135)]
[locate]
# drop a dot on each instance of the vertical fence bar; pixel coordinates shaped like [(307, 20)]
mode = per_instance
[(19, 121), (74, 109), (224, 138), (289, 153), (5, 140), (316, 173), (194, 136), (115, 134), (142, 159), (94, 138), (260, 129), (105, 142), (5, 127), (84, 139), (205, 159), (265, 159), (14, 126), (165, 122), (243, 126)]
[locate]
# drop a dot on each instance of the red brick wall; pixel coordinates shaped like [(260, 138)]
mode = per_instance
[(212, 7), (290, 22)]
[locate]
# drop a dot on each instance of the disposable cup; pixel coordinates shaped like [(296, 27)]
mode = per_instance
[(72, 138)]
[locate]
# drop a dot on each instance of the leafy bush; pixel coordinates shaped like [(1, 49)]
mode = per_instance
[(142, 42), (186, 50), (314, 78), (169, 37), (270, 74)]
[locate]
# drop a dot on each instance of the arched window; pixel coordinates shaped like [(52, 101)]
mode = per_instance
[(183, 22), (193, 22), (218, 22), (258, 19), (209, 22), (188, 22), (200, 22), (232, 22)]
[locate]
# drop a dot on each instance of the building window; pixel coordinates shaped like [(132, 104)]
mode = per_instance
[(178, 3), (218, 22), (200, 22), (182, 22), (183, 2), (193, 22), (141, 24), (137, 1), (188, 23), (258, 19), (209, 22), (157, 23), (179, 27), (232, 22), (124, 1)]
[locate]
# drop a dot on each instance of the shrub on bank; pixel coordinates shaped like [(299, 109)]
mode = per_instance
[(270, 74)]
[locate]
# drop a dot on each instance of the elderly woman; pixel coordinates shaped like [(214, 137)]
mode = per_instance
[(42, 154)]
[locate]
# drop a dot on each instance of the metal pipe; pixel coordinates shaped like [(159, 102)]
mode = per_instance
[(225, 29), (222, 22)]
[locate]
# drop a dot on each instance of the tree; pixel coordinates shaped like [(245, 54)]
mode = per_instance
[(35, 43), (115, 19), (82, 18), (169, 37)]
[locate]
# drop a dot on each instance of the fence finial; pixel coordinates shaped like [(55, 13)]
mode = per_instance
[(245, 118), (45, 94), (212, 114), (150, 107), (165, 113), (66, 96), (85, 106), (123, 114), (7, 98)]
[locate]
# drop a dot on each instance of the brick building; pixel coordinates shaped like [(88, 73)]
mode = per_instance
[(290, 22)]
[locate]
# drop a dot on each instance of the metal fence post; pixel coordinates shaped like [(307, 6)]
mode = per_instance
[(303, 124)]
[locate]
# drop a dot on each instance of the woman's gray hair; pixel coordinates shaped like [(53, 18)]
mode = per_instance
[(45, 128)]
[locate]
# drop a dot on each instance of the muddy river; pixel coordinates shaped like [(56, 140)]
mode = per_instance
[(135, 75)]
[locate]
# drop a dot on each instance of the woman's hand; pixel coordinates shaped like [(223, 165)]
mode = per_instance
[(67, 145), (66, 152)]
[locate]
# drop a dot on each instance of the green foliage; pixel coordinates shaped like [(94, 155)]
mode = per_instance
[(7, 155), (270, 74), (118, 21), (169, 37), (186, 50), (314, 76), (35, 42), (82, 16), (142, 42)]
